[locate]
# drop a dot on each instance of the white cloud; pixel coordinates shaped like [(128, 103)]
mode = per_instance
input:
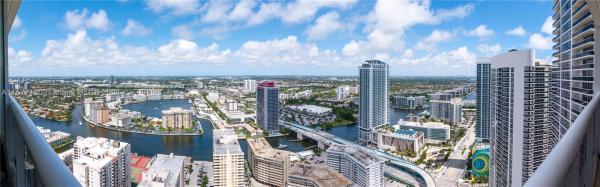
[(454, 60), (176, 7), (324, 25), (489, 50), (183, 31), (81, 19), (480, 31), (517, 31), (242, 10), (18, 57), (284, 51), (538, 41), (386, 28), (303, 10), (184, 51), (17, 23), (134, 28), (429, 43), (547, 26)]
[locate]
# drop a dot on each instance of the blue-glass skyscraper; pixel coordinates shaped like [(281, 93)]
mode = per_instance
[(267, 106), (482, 126)]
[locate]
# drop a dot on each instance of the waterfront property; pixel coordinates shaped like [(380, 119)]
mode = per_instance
[(269, 166), (373, 98), (307, 115), (267, 107), (177, 118)]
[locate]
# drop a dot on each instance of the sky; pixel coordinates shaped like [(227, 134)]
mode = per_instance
[(247, 37)]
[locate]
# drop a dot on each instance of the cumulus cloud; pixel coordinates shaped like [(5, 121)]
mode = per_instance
[(489, 50), (184, 51), (284, 51), (517, 31), (177, 7), (134, 28), (82, 19), (386, 29), (547, 26), (539, 41), (324, 25), (18, 57), (430, 42), (480, 31)]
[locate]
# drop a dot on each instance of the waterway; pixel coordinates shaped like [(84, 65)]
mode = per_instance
[(198, 147)]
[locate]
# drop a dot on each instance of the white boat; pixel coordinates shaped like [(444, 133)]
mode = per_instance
[(80, 123), (281, 146)]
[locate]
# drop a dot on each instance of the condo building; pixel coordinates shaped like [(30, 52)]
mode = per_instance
[(573, 83), (102, 162), (309, 175), (373, 99), (356, 164), (164, 171), (519, 117), (269, 166), (446, 107), (267, 106), (228, 159), (433, 132), (177, 118), (250, 85), (482, 124)]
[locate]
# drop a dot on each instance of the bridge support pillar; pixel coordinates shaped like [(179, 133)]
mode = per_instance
[(321, 145), (299, 136)]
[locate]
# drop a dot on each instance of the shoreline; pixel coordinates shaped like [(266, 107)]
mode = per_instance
[(138, 132)]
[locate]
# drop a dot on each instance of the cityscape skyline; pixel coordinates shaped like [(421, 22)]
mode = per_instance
[(110, 41)]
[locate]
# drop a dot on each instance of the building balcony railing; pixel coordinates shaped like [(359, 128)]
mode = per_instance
[(574, 159), (586, 28), (584, 53), (587, 40), (585, 16), (30, 161)]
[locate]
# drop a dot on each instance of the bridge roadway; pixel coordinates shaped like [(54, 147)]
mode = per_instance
[(393, 166)]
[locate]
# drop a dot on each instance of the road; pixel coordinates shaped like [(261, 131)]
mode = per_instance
[(455, 167)]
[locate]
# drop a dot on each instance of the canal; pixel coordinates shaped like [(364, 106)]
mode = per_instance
[(198, 147)]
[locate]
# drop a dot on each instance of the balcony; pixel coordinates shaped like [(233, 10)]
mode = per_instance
[(586, 28), (584, 53), (584, 17), (574, 160), (27, 158), (585, 41), (30, 159)]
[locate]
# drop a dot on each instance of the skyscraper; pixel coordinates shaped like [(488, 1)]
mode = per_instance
[(228, 159), (519, 117), (269, 166), (267, 106), (373, 98), (102, 162), (250, 85), (573, 83), (482, 126)]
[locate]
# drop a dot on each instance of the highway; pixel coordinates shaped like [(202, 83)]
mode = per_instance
[(396, 166)]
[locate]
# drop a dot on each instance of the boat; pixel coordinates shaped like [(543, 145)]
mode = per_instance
[(281, 146), (80, 123)]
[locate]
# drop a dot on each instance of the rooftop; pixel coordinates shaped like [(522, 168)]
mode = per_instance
[(421, 124), (322, 175), (311, 108), (225, 142), (262, 148), (357, 153), (164, 169)]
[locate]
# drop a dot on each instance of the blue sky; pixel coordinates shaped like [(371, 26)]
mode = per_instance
[(329, 37)]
